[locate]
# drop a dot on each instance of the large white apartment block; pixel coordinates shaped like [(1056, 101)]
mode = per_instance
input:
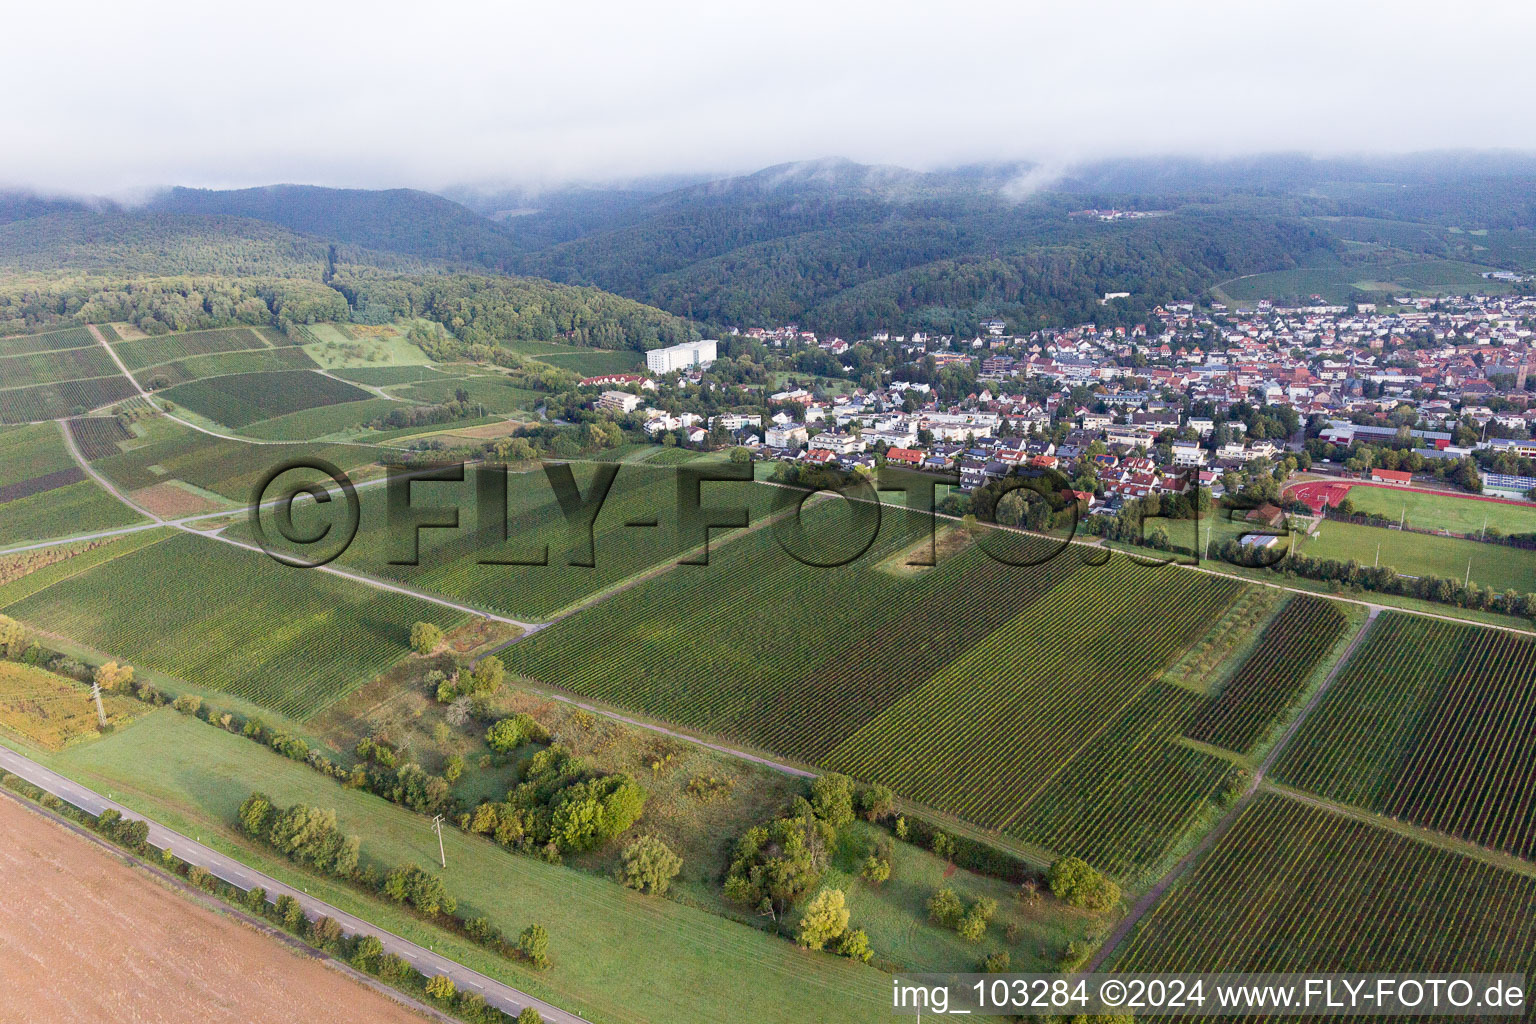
[(680, 357)]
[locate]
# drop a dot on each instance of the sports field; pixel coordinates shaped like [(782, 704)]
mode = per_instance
[(1418, 554), (1430, 511)]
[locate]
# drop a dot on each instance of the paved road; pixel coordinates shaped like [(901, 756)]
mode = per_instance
[(237, 874)]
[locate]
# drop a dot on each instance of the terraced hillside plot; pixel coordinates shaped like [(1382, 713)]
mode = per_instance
[(1433, 723), (218, 616), (1296, 888), (98, 436), (1271, 677), (68, 398), (450, 559), (70, 337), (307, 424), (53, 367), (231, 468), (192, 368), (149, 351), (238, 399)]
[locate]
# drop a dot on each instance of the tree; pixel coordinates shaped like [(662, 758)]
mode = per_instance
[(740, 455), (825, 919), (832, 799), (440, 987), (534, 944), (13, 637), (453, 768), (254, 813), (1076, 883), (530, 1016), (650, 865), (367, 952), (945, 908), (112, 675), (876, 870), (505, 735), (854, 944), (487, 676), (876, 802), (425, 637)]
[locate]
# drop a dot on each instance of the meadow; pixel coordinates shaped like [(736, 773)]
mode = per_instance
[(54, 711), (1433, 723), (1443, 511), (1296, 888), (228, 619), (679, 964), (236, 400), (1419, 554)]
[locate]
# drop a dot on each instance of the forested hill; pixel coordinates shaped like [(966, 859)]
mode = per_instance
[(176, 272), (392, 220)]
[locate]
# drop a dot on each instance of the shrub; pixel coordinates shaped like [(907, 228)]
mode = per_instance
[(324, 932), (365, 955), (530, 1016), (996, 963), (290, 911), (188, 704), (423, 890), (394, 969), (650, 865), (876, 870), (534, 944), (854, 944), (440, 987), (876, 802), (453, 768), (1076, 883), (945, 908)]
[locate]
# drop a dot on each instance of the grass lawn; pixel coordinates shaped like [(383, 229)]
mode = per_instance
[(1417, 554), (1444, 511), (338, 347), (619, 956)]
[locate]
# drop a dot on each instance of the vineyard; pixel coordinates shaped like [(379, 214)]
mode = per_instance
[(1296, 888), (384, 376), (238, 399), (98, 436), (55, 366), (1272, 676), (970, 686), (496, 394), (291, 639), (1433, 723), (197, 367), (70, 509), (70, 337), (27, 452), (136, 355), (69, 398)]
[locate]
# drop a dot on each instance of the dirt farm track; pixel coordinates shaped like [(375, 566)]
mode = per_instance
[(85, 937)]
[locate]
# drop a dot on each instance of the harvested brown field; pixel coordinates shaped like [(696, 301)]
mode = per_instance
[(85, 937), (169, 500)]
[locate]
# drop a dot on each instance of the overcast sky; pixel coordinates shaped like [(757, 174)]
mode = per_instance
[(111, 97)]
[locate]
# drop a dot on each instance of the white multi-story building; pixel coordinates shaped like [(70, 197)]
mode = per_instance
[(680, 357), (619, 402)]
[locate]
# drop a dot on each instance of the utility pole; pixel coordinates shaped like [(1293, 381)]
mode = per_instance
[(1468, 581), (101, 712), (1484, 534), (1378, 554), (437, 826)]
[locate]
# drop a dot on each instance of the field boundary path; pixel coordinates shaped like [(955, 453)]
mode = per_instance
[(232, 871), (1150, 898)]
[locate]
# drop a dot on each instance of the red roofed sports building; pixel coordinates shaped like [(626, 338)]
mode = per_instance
[(1391, 477)]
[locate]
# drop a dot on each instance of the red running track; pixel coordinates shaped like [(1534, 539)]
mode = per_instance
[(1316, 492)]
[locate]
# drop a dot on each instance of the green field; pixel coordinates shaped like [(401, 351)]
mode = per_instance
[(1443, 511), (496, 393), (339, 346), (619, 957), (1433, 723), (1342, 283), (217, 616), (1297, 888), (589, 362), (1417, 554), (238, 399)]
